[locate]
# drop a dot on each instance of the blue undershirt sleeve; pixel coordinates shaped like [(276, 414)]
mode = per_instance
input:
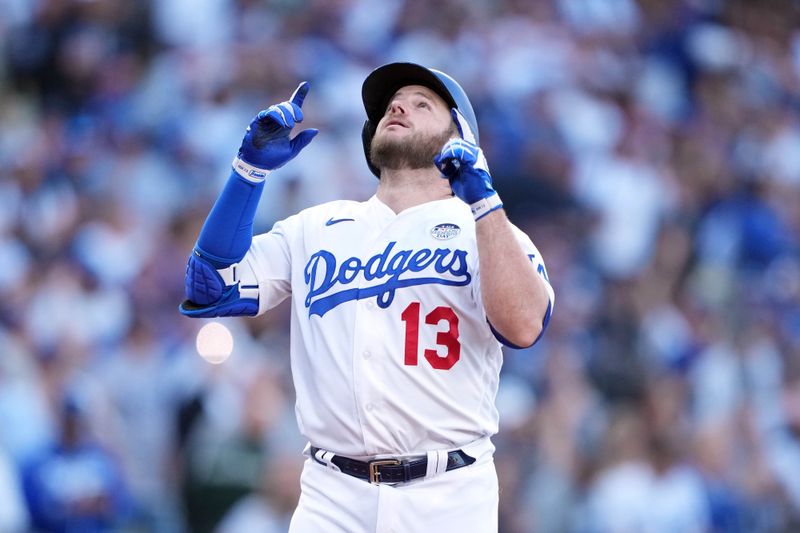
[(228, 230)]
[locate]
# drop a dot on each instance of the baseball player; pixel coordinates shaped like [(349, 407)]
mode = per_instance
[(399, 307)]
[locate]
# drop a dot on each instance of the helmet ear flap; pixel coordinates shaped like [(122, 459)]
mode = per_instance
[(367, 133)]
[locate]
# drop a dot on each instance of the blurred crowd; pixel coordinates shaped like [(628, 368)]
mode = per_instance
[(650, 148)]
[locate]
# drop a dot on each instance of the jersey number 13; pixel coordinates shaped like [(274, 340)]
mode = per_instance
[(448, 338)]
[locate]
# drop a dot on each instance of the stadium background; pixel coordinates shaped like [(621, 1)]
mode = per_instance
[(651, 149)]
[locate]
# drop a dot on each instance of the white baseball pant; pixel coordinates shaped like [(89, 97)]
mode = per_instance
[(459, 501)]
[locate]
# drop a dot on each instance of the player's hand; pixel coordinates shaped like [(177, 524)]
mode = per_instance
[(266, 144), (462, 162)]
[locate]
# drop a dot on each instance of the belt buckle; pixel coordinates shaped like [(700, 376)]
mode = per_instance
[(374, 474)]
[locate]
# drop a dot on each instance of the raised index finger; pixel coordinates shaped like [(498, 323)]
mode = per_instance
[(463, 126), (300, 93)]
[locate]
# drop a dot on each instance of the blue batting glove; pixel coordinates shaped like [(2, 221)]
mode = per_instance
[(462, 162), (266, 144)]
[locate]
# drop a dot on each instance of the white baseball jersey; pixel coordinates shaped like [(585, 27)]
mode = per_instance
[(391, 351)]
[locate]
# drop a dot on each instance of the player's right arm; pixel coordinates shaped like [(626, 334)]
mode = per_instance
[(213, 272)]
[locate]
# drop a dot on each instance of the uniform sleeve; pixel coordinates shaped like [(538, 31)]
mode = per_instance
[(537, 262), (267, 266)]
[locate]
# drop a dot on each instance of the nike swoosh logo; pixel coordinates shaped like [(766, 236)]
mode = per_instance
[(331, 221)]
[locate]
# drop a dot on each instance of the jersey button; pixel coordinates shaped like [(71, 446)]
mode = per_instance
[(367, 354), (369, 407), (370, 304)]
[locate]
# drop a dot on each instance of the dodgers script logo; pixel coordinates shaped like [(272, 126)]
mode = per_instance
[(393, 268)]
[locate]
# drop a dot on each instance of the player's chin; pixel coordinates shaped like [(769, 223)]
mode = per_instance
[(388, 141)]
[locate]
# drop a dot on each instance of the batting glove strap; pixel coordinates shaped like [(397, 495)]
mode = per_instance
[(483, 207), (248, 171)]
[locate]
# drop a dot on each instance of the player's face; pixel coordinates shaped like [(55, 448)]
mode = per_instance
[(416, 125), (414, 109)]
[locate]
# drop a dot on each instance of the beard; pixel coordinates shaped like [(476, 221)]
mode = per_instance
[(411, 152)]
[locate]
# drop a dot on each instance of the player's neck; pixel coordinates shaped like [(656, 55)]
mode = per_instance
[(404, 188)]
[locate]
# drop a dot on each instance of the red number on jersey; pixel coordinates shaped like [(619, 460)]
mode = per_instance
[(411, 317), (448, 339)]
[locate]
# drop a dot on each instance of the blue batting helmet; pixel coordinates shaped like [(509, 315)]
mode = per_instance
[(384, 81)]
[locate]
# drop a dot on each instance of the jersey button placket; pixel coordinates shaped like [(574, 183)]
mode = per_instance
[(369, 396), (369, 318)]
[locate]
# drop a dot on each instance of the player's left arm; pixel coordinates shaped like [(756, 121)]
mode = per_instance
[(515, 290)]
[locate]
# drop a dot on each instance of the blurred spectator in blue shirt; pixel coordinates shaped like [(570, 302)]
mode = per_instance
[(77, 485)]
